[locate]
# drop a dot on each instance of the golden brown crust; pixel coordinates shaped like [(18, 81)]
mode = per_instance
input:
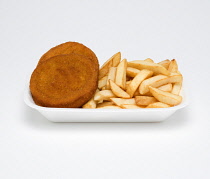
[(64, 81), (67, 48)]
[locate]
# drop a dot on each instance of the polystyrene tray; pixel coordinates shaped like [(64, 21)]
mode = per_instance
[(104, 115)]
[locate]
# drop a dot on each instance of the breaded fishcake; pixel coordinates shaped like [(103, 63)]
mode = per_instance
[(64, 81), (67, 48)]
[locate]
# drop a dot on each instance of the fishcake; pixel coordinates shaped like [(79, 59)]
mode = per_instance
[(70, 47), (64, 81)]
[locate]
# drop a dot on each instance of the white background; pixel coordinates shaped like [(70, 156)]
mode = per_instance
[(33, 148)]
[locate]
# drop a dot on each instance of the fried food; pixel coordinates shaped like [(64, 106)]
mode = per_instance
[(112, 62), (104, 95), (176, 88), (158, 105), (154, 81), (120, 78), (155, 67), (91, 104), (165, 63), (139, 84), (70, 47), (130, 106), (167, 87), (120, 101), (64, 81), (118, 91), (145, 100), (102, 82), (111, 76), (68, 76), (173, 66), (165, 97), (132, 72), (142, 75), (109, 107)]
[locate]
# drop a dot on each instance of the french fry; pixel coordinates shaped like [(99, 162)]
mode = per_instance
[(149, 60), (102, 82), (128, 78), (179, 72), (109, 107), (120, 78), (90, 104), (175, 77), (145, 100), (165, 97), (98, 96), (159, 80), (136, 93), (116, 60), (165, 63), (132, 72), (112, 62), (130, 106), (127, 83), (120, 101), (100, 101), (108, 103), (173, 67), (104, 95), (154, 81), (156, 68), (167, 87), (97, 90), (107, 94), (118, 91), (176, 88), (146, 94), (132, 87), (111, 76), (158, 105)]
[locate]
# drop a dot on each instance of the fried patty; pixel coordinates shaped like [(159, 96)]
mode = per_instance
[(67, 48), (64, 81)]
